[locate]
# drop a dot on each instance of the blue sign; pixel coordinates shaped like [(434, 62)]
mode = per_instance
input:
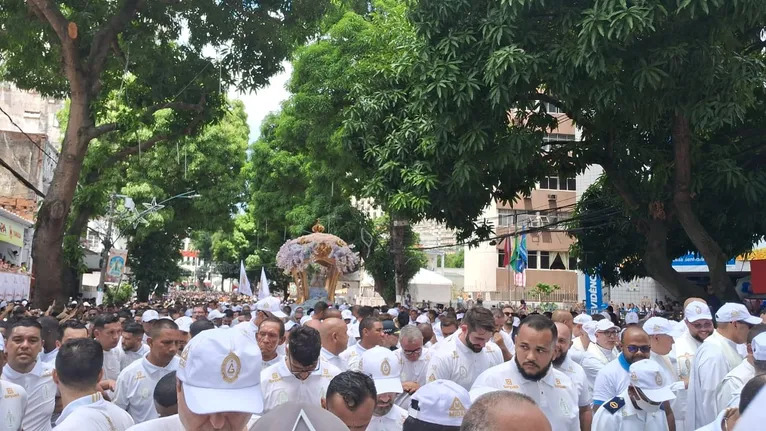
[(594, 298), (694, 259)]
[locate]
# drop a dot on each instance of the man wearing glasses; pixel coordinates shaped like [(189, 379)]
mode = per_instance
[(302, 377), (413, 359), (615, 376), (699, 324)]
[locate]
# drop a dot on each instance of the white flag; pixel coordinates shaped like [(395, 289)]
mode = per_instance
[(244, 283), (264, 290)]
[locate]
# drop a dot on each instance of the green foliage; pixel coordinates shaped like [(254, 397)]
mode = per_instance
[(154, 262), (455, 260), (118, 295)]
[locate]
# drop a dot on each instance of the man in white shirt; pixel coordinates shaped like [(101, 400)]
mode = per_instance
[(303, 376), (14, 404), (574, 371), (135, 386), (468, 354), (218, 385), (615, 376), (531, 372), (383, 366), (51, 338), (581, 341), (604, 349), (661, 333), (637, 408), (36, 377), (351, 396), (132, 347), (371, 332), (334, 341), (79, 369), (413, 359), (501, 339), (699, 326), (755, 363), (715, 358), (107, 331), (270, 335)]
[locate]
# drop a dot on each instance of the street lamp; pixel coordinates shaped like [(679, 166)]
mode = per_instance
[(136, 218)]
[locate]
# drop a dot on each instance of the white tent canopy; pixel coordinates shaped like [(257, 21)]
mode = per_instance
[(429, 286)]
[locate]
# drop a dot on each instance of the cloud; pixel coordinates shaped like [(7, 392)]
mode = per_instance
[(260, 103)]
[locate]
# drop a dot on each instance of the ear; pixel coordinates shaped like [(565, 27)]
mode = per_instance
[(149, 341), (56, 377), (324, 403), (101, 375)]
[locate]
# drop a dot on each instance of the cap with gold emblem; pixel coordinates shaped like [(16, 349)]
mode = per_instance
[(383, 366), (221, 372), (647, 376), (661, 326), (442, 402), (697, 310), (734, 312)]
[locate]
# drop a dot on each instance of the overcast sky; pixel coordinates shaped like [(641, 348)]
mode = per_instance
[(259, 104)]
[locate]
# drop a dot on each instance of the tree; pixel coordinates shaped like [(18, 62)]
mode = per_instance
[(455, 260), (89, 50), (467, 103)]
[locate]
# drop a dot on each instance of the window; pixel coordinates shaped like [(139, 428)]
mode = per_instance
[(500, 258), (532, 259), (558, 262), (572, 263), (555, 137), (505, 217), (552, 109), (558, 183), (545, 260)]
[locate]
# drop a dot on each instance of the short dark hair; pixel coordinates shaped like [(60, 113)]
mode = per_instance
[(412, 424), (598, 316), (539, 322), (133, 328), (367, 323), (79, 363), (26, 323), (287, 310), (479, 318), (278, 321), (228, 313), (104, 319), (247, 315), (160, 324), (305, 345), (755, 331), (366, 311), (354, 387), (124, 314), (403, 319), (50, 328), (449, 321), (71, 324), (165, 391), (199, 326), (320, 307), (750, 390)]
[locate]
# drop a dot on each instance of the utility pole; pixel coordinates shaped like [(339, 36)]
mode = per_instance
[(107, 242)]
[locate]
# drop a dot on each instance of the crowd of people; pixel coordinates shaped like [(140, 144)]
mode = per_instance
[(201, 363)]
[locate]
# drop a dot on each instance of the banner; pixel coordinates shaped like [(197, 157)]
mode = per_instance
[(264, 292), (244, 283), (14, 287), (116, 265), (594, 298), (12, 233)]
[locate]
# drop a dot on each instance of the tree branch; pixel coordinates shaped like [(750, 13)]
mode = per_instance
[(103, 129), (104, 37), (51, 14)]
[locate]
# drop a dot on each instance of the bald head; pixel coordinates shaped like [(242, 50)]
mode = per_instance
[(332, 313), (564, 330), (427, 330), (690, 300), (564, 317), (329, 326), (636, 337), (313, 323), (504, 411)]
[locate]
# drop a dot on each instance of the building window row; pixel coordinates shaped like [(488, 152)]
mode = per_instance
[(550, 260), (526, 218)]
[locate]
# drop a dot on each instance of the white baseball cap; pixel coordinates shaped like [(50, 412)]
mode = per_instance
[(733, 312), (697, 311), (150, 316), (221, 372), (423, 318), (84, 304), (516, 322), (441, 402), (605, 325), (647, 376), (661, 326), (346, 315), (271, 305), (383, 366), (305, 319), (759, 347), (631, 318), (215, 314), (582, 319), (590, 329), (184, 323), (394, 312)]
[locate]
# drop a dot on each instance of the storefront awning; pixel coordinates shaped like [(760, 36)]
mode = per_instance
[(12, 227)]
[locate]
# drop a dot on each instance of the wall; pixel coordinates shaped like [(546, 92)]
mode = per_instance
[(481, 261)]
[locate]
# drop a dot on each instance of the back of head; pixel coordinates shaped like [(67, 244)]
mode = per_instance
[(199, 326), (481, 415), (366, 311), (79, 363), (299, 417), (305, 345), (353, 387), (51, 328), (750, 390), (403, 319), (755, 331), (165, 392), (479, 318), (320, 307)]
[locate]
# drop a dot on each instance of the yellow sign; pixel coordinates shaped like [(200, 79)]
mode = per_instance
[(12, 233)]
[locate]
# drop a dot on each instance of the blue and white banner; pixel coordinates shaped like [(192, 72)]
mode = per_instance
[(594, 297)]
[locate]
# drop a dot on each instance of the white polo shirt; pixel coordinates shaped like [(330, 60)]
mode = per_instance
[(351, 356), (248, 329), (392, 421), (128, 357), (12, 406), (619, 414), (555, 393), (730, 389), (455, 361), (276, 360), (97, 413), (334, 360), (41, 394), (111, 364), (575, 372), (135, 388), (612, 380), (173, 423), (280, 386), (412, 371), (49, 357), (715, 425)]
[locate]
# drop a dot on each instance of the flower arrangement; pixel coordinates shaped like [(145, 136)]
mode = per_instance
[(298, 254)]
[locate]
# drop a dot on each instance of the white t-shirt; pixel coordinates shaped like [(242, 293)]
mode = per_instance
[(12, 406), (97, 413), (49, 357), (280, 386), (135, 388), (555, 393), (412, 371), (277, 359), (41, 394), (392, 421), (173, 423), (128, 357), (730, 389), (611, 381), (455, 361)]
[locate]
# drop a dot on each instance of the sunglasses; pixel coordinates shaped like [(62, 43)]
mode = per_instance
[(507, 314), (644, 349)]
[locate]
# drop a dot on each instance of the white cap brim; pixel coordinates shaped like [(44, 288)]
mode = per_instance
[(753, 320), (151, 319), (392, 385), (659, 395), (279, 314), (699, 317), (206, 401)]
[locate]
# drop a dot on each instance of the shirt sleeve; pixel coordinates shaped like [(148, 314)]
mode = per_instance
[(715, 368), (592, 368), (603, 389), (121, 392), (438, 368), (730, 389), (583, 390)]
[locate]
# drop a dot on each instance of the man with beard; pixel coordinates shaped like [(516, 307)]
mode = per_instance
[(383, 366), (467, 355), (270, 335), (615, 376), (574, 371), (699, 324), (531, 373), (132, 346)]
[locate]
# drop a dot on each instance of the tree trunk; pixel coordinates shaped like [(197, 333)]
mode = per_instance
[(660, 267), (398, 229), (682, 200), (47, 245), (71, 272)]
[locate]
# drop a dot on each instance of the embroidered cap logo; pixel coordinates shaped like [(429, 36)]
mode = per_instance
[(230, 368), (385, 368), (658, 379), (457, 409)]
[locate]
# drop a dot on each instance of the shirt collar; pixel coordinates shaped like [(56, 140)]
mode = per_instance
[(37, 371), (152, 369), (328, 354), (623, 362), (80, 402)]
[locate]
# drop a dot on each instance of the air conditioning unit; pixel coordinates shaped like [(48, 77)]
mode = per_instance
[(552, 197), (535, 223), (543, 220)]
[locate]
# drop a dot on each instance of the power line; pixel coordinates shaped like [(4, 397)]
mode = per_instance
[(55, 160), (21, 178)]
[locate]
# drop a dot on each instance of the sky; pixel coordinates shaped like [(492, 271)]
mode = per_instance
[(260, 103)]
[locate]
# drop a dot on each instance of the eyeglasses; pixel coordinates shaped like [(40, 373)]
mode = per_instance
[(610, 333), (412, 352), (644, 349), (507, 314), (701, 326), (304, 373)]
